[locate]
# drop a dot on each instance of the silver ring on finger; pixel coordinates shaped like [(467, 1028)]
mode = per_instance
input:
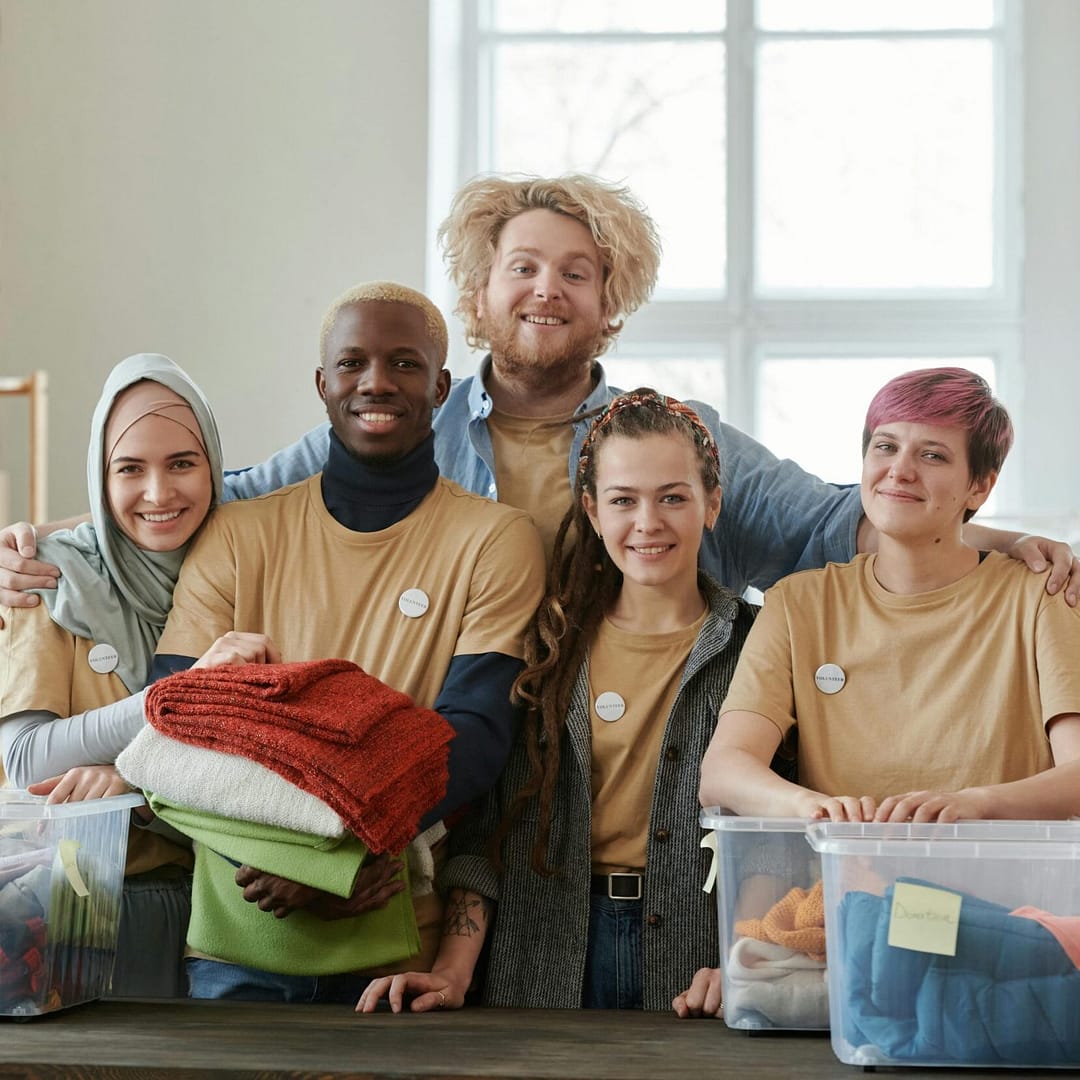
[(442, 999)]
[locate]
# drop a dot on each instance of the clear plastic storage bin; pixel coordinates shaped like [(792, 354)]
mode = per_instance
[(772, 931), (953, 944), (61, 876)]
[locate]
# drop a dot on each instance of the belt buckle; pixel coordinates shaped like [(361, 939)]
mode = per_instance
[(632, 882)]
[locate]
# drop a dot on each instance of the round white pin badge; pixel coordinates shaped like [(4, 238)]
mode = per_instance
[(610, 706), (830, 678), (413, 603), (102, 659)]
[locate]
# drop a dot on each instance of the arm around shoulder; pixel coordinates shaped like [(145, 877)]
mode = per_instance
[(778, 518), (1036, 553), (302, 459), (19, 569)]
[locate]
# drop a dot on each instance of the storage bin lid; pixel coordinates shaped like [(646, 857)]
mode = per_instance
[(716, 817), (18, 805), (958, 840)]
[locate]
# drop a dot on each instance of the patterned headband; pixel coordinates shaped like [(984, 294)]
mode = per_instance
[(649, 399)]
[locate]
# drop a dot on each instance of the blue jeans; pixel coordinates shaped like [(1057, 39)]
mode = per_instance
[(212, 979), (613, 960)]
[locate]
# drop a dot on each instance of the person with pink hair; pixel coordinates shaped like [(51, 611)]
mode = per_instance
[(929, 681)]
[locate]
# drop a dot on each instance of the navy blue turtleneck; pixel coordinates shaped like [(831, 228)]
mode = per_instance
[(366, 497), (475, 696)]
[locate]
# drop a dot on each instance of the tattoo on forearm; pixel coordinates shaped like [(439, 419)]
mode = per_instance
[(462, 914)]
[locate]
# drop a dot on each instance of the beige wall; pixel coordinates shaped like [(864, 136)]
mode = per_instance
[(199, 178)]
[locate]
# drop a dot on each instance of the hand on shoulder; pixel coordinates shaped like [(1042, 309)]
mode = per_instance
[(19, 570)]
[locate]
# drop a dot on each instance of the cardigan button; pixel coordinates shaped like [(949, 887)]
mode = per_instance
[(671, 753), (661, 836), (655, 920)]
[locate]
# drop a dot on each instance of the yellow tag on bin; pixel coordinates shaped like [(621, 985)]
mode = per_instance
[(924, 919), (70, 861)]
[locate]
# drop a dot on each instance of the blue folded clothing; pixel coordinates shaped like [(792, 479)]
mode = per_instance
[(1010, 995)]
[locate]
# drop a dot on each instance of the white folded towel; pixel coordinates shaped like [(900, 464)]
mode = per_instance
[(788, 988), (235, 787), (224, 784), (751, 960)]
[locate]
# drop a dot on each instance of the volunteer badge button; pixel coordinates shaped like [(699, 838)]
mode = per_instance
[(102, 659), (413, 603), (610, 706), (830, 678)]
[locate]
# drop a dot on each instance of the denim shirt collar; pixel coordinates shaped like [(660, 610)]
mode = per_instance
[(480, 406), (480, 403)]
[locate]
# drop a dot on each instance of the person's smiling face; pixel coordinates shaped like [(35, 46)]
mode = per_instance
[(651, 507), (380, 379), (916, 480), (542, 306), (158, 484)]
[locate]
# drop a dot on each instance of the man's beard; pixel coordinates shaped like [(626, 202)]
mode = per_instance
[(547, 366)]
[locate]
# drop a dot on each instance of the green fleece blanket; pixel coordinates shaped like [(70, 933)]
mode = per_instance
[(225, 926)]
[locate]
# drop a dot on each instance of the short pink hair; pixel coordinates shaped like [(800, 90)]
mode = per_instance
[(952, 397)]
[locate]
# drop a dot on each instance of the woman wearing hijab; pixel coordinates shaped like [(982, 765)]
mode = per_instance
[(71, 669)]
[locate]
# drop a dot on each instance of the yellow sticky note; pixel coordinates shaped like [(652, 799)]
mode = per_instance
[(924, 919)]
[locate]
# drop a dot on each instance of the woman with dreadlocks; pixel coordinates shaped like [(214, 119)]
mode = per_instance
[(585, 862)]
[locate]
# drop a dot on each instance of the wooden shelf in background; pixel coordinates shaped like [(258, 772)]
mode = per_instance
[(34, 387)]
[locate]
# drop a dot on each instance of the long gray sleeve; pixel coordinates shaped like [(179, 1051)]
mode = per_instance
[(37, 744)]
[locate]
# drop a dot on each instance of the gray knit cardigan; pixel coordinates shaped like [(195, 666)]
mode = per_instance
[(537, 950)]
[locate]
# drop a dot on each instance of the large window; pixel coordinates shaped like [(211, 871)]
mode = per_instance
[(836, 184)]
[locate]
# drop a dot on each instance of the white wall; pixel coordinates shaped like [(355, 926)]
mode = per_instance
[(1049, 423), (199, 178)]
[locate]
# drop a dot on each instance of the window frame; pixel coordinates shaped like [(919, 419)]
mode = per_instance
[(740, 326)]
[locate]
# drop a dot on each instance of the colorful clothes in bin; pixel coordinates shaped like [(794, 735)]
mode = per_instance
[(1010, 995), (23, 903)]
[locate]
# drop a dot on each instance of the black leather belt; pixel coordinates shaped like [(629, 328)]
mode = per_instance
[(618, 886)]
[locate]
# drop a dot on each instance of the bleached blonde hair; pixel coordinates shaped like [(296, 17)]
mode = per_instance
[(621, 227), (396, 294)]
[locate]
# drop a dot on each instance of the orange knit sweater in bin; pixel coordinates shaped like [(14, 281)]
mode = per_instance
[(797, 922)]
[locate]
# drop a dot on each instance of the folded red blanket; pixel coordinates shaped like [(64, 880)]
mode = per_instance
[(346, 737)]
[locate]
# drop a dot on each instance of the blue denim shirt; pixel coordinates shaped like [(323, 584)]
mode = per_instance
[(775, 519)]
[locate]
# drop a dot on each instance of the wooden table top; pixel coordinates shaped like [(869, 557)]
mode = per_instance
[(122, 1040)]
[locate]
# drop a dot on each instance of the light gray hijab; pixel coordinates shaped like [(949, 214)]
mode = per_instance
[(110, 591)]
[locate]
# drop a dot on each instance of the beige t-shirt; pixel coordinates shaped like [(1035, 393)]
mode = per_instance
[(645, 671), (461, 575), (531, 473), (467, 572), (941, 690), (45, 667)]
